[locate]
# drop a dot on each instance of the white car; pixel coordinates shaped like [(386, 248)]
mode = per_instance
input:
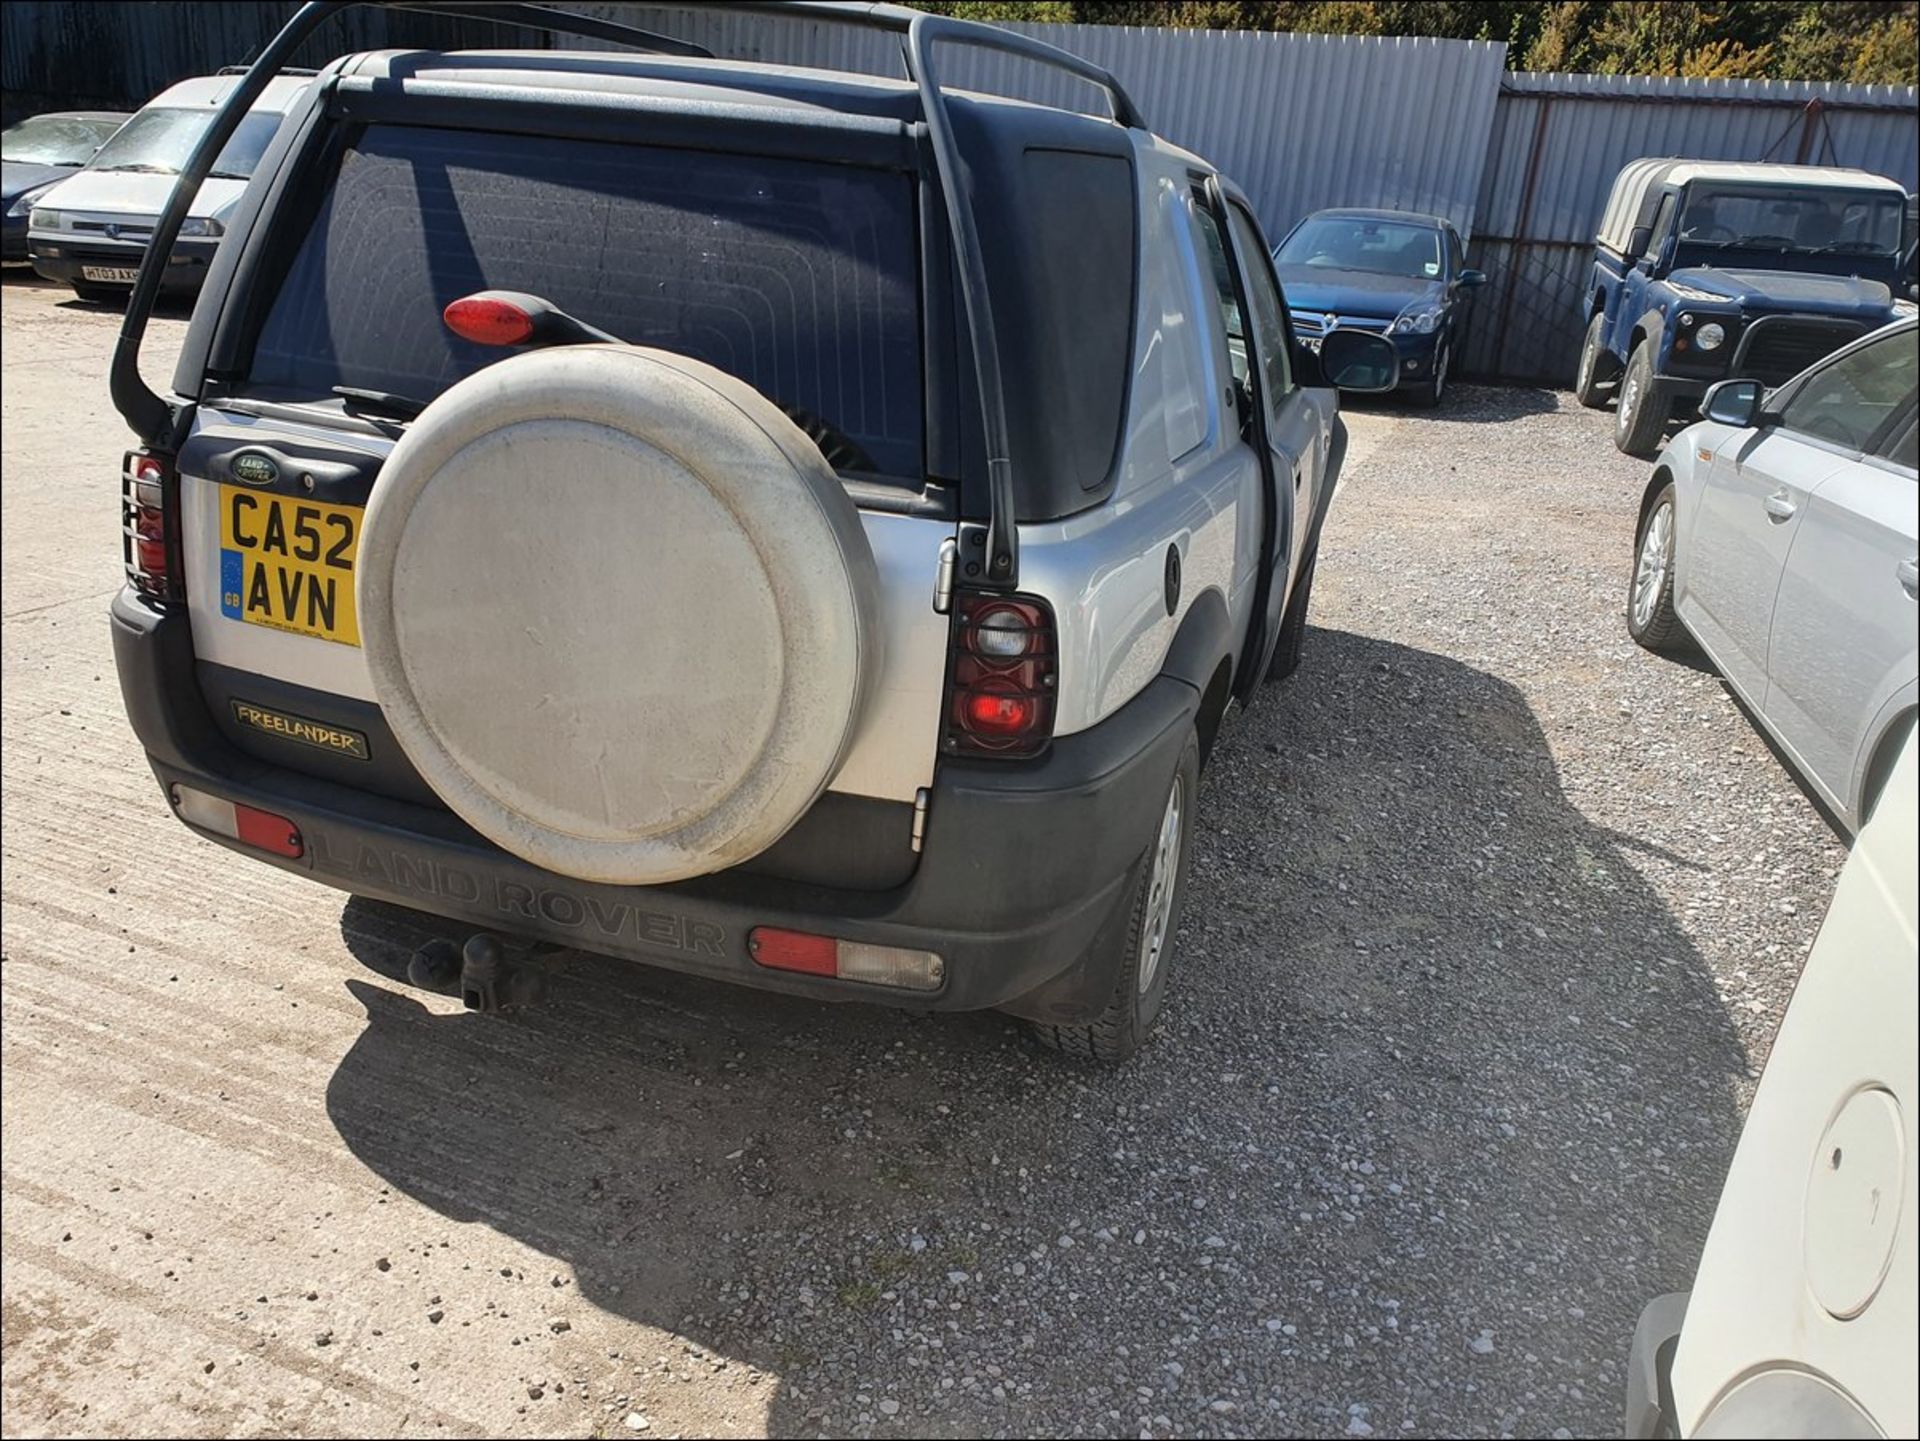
[(1801, 1321), (1780, 535), (91, 231)]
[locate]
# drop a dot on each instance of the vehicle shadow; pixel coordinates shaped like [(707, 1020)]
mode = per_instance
[(1442, 1090)]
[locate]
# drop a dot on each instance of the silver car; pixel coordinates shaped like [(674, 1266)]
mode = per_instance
[(1779, 535)]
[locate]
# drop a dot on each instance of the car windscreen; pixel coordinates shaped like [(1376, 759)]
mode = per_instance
[(1383, 247), (54, 140), (800, 278), (159, 140), (1783, 218)]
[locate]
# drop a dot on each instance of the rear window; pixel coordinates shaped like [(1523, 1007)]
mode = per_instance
[(799, 278)]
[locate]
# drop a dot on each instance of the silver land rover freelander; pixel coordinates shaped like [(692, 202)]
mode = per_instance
[(795, 527)]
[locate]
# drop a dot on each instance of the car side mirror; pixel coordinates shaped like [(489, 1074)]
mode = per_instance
[(1359, 360), (1473, 279), (1637, 241), (1733, 402)]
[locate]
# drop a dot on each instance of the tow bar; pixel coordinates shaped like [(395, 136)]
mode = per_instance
[(481, 973)]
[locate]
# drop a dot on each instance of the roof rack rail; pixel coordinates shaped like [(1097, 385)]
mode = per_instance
[(284, 70), (154, 419)]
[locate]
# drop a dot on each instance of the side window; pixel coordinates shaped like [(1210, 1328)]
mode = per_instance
[(1456, 253), (1899, 447), (1215, 251), (1662, 224), (1263, 298), (1846, 403)]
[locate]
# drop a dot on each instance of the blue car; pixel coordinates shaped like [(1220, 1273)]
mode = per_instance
[(1395, 273), (39, 153)]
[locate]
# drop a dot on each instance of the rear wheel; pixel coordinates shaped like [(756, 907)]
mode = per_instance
[(1598, 368), (1650, 615), (1140, 979), (1642, 417)]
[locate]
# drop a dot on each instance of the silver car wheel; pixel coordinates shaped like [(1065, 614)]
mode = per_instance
[(1161, 886), (1655, 560), (1629, 402)]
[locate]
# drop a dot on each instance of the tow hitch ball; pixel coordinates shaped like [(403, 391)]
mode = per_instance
[(480, 974)]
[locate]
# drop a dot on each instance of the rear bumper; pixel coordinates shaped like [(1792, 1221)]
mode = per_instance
[(1021, 884), (61, 258)]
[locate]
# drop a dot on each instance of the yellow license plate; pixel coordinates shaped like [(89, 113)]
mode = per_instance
[(288, 563)]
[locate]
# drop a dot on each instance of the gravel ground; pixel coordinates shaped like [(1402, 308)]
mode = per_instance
[(1491, 921)]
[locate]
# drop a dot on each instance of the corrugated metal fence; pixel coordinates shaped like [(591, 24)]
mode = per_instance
[(1520, 162), (1300, 121)]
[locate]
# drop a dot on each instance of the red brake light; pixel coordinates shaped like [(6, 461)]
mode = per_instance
[(488, 322), (1004, 676), (150, 547)]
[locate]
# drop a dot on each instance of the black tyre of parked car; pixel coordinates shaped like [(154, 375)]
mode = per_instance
[(1159, 894), (1432, 392), (1651, 620), (1293, 626), (1598, 369), (1641, 417), (99, 294)]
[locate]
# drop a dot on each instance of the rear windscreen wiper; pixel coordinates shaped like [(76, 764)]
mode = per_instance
[(380, 402)]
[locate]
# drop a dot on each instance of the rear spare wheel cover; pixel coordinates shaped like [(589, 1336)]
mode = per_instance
[(618, 611)]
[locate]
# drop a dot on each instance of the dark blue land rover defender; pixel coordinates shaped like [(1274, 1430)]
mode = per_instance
[(1704, 271)]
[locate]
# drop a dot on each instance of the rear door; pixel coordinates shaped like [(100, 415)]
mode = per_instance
[(1757, 492), (1844, 640), (801, 278)]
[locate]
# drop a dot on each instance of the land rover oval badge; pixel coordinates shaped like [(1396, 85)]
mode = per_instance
[(255, 468)]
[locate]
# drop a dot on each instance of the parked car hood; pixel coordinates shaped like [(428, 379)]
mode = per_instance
[(135, 193), (17, 177), (1791, 290), (1353, 292)]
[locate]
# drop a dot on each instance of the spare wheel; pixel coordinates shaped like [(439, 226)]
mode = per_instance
[(619, 612)]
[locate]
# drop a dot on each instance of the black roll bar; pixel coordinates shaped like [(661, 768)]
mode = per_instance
[(152, 418)]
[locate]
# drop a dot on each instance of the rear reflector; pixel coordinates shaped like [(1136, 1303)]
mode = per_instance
[(262, 830), (810, 955)]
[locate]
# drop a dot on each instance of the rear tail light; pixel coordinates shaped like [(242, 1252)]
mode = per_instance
[(150, 545), (811, 955), (1004, 677), (487, 321), (262, 830)]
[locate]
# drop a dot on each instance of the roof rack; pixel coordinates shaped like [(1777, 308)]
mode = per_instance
[(154, 420), (284, 70)]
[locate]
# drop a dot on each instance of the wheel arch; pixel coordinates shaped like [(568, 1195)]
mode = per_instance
[(1881, 758)]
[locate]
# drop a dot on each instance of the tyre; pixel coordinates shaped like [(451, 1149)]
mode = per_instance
[(601, 707), (1140, 972), (1641, 418), (1650, 617), (1293, 626), (1432, 392), (1598, 369), (99, 294)]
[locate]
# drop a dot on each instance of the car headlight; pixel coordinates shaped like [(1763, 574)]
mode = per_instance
[(1710, 336), (201, 225), (1417, 320), (41, 219)]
